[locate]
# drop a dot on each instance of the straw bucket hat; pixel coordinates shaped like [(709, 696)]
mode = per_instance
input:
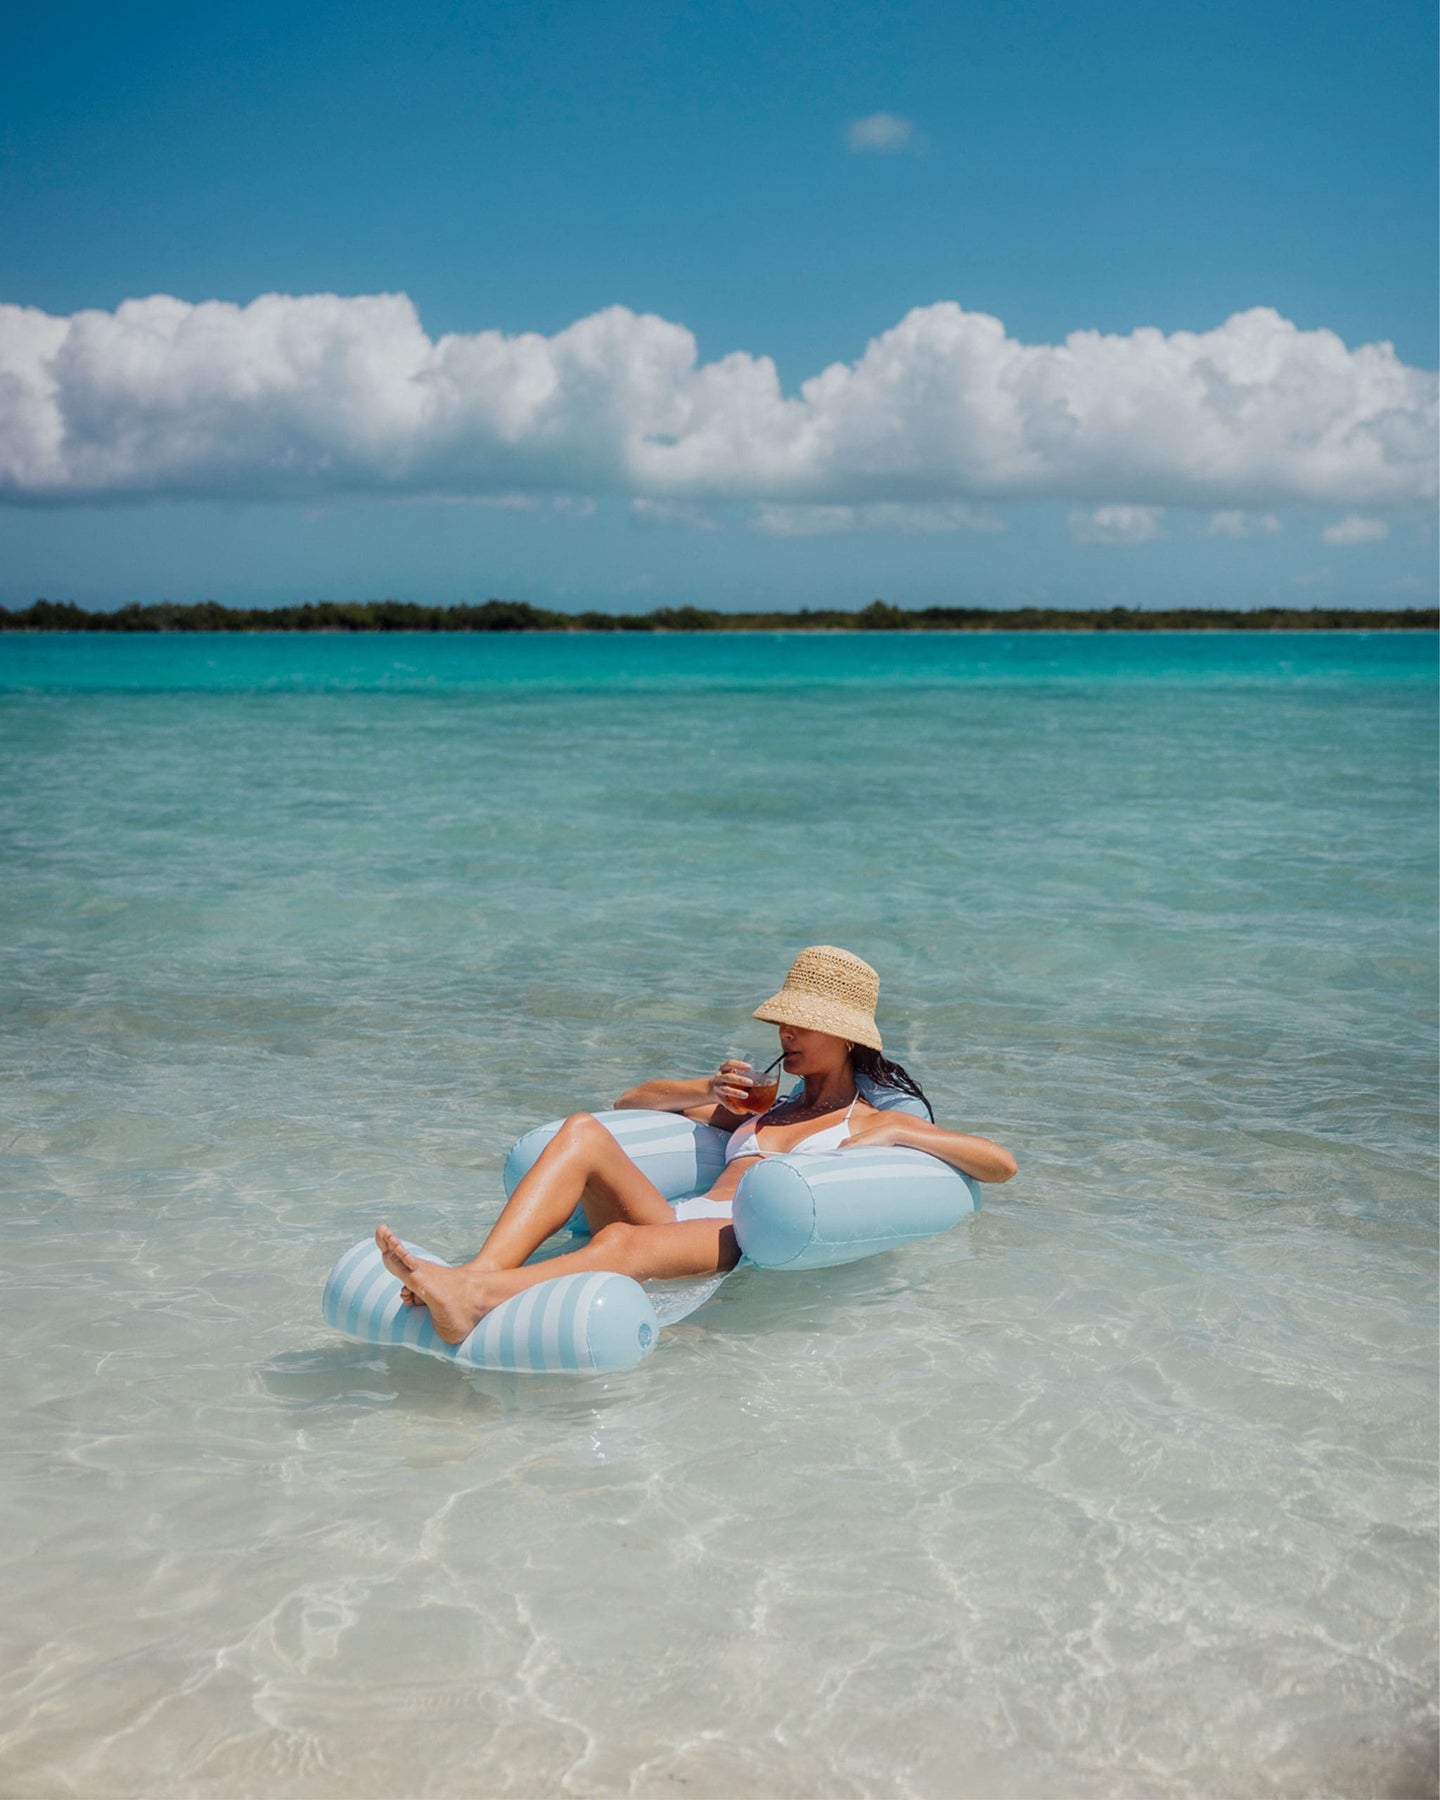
[(828, 990)]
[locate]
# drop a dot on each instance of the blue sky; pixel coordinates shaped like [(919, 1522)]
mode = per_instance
[(782, 183)]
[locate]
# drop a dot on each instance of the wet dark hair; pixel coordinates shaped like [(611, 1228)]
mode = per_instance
[(883, 1073)]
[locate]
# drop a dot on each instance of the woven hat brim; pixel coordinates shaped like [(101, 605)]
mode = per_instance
[(814, 1013)]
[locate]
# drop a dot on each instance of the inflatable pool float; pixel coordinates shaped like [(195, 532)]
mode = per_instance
[(574, 1324), (808, 1212)]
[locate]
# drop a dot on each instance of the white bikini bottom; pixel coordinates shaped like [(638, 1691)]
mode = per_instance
[(700, 1209)]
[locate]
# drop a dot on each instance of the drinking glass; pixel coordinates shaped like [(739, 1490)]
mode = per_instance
[(764, 1086)]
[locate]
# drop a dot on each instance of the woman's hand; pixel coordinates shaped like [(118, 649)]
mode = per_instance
[(700, 1099), (975, 1156), (878, 1129), (730, 1084)]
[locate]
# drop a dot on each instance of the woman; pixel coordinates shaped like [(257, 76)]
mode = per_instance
[(826, 1015)]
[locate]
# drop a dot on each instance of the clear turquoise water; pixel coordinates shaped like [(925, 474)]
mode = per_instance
[(1127, 1487)]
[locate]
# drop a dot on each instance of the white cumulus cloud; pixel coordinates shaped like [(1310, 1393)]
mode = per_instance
[(1355, 530), (1118, 525), (314, 396), (883, 132)]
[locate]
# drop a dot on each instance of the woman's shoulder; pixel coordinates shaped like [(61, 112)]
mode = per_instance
[(889, 1099)]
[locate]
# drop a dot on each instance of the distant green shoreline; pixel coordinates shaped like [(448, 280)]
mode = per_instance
[(519, 615)]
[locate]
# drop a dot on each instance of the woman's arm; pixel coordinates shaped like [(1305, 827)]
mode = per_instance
[(705, 1099), (976, 1156)]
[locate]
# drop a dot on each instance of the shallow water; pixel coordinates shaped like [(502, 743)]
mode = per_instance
[(1125, 1487)]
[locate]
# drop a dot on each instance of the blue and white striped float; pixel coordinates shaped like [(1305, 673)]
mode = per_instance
[(574, 1324), (791, 1212)]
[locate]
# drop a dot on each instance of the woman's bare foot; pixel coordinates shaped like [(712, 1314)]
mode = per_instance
[(457, 1298), (396, 1258)]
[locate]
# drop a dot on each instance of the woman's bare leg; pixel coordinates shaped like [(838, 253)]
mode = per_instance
[(459, 1298), (581, 1165)]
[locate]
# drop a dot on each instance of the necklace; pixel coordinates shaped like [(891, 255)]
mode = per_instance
[(795, 1112)]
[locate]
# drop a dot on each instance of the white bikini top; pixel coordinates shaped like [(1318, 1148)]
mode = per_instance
[(742, 1140)]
